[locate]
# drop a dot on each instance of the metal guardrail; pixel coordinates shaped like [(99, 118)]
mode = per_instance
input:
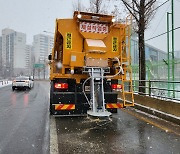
[(159, 89), (3, 82)]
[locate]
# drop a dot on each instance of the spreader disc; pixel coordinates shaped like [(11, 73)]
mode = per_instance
[(99, 114)]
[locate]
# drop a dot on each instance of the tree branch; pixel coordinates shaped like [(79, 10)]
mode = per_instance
[(137, 5), (151, 2), (130, 10), (128, 5)]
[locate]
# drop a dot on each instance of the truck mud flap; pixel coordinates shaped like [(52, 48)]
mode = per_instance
[(68, 103), (111, 98)]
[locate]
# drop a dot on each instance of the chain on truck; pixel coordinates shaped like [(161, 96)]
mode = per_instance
[(90, 66)]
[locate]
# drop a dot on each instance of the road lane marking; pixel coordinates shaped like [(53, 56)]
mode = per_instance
[(151, 122)]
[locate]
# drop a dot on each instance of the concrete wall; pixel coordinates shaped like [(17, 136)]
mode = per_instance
[(169, 107)]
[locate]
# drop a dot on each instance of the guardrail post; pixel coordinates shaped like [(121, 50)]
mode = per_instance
[(149, 87)]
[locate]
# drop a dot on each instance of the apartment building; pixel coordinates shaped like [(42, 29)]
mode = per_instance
[(13, 53), (1, 72), (42, 45), (29, 59)]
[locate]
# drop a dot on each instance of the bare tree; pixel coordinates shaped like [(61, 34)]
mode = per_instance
[(95, 6), (78, 6), (101, 6), (119, 13), (142, 11)]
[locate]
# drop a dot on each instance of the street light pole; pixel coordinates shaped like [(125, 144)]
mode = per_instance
[(172, 13), (168, 53)]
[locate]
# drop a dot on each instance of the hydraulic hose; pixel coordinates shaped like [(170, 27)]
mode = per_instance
[(120, 70)]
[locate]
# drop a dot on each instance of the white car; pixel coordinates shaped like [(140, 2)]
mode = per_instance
[(22, 82)]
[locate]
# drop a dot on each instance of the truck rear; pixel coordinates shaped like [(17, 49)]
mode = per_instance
[(89, 64)]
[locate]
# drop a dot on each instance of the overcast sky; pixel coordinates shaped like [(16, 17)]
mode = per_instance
[(35, 16), (158, 26)]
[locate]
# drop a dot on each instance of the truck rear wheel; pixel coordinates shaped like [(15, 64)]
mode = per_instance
[(112, 110), (13, 88)]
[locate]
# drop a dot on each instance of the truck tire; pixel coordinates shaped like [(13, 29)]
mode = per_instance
[(13, 88)]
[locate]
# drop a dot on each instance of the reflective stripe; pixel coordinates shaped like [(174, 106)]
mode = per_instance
[(70, 107), (64, 106), (114, 105)]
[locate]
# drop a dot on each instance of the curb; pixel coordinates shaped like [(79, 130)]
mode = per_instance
[(157, 113)]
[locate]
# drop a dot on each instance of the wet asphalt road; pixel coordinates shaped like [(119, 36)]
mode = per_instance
[(123, 133), (24, 129), (24, 126)]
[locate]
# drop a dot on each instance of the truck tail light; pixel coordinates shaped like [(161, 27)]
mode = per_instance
[(116, 86), (61, 85)]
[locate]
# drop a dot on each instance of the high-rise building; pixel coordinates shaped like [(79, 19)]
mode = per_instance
[(1, 73), (20, 54), (13, 53), (6, 48), (42, 45), (28, 59)]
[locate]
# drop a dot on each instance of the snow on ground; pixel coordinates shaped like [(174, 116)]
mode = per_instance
[(4, 83)]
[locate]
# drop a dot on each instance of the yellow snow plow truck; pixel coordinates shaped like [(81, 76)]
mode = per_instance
[(89, 65)]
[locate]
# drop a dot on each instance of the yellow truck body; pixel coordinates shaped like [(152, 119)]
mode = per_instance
[(87, 40)]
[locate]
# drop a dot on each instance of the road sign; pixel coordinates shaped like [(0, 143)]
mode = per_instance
[(39, 65)]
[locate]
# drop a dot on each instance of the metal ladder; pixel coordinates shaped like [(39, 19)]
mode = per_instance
[(127, 93)]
